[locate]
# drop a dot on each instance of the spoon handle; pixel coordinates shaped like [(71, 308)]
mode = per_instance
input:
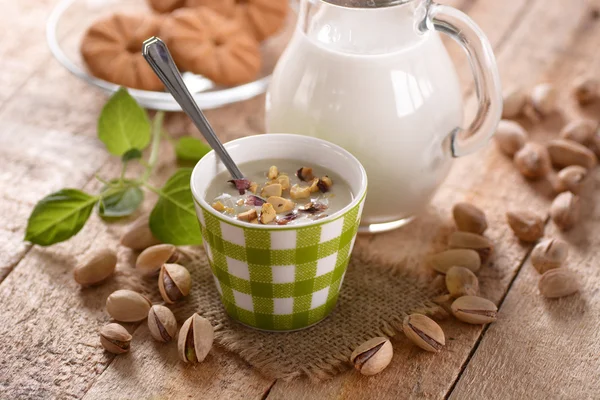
[(157, 54)]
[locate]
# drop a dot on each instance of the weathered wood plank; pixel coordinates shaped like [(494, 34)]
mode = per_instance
[(544, 348), (36, 159), (487, 179)]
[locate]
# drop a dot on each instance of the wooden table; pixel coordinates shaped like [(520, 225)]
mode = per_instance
[(538, 349)]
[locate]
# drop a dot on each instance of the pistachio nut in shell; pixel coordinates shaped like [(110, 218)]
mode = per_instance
[(474, 310), (461, 281), (544, 98), (527, 226), (467, 240), (442, 262), (510, 137), (469, 218), (195, 339), (115, 339), (533, 161), (559, 282), (566, 210), (549, 254), (581, 131), (373, 356), (572, 178), (564, 153), (174, 282), (150, 260), (162, 323), (99, 267), (514, 100), (138, 235), (127, 306), (586, 89), (424, 332)]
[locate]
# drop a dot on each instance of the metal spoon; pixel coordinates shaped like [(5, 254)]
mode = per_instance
[(157, 54)]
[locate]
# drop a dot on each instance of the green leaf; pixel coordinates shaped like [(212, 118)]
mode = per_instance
[(121, 202), (59, 216), (173, 219), (191, 149), (123, 124), (132, 154)]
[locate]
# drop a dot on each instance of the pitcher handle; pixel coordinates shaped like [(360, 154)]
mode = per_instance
[(467, 33)]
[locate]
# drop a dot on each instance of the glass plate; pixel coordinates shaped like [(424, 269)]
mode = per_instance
[(70, 19)]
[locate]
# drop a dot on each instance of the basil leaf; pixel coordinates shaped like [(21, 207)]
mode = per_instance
[(173, 219), (122, 203), (59, 216), (132, 154), (123, 124), (191, 149)]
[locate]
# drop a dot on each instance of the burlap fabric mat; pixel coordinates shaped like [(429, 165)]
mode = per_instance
[(374, 300)]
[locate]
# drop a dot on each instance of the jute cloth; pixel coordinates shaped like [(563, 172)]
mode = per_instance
[(374, 300)]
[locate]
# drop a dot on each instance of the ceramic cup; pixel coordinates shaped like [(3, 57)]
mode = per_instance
[(280, 278)]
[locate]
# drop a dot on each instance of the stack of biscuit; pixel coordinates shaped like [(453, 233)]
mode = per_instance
[(218, 39)]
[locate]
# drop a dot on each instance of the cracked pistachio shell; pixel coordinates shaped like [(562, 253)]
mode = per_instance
[(152, 259), (138, 235), (469, 218), (442, 262), (174, 282), (115, 339), (549, 254), (96, 269), (474, 310), (526, 225), (467, 240), (558, 282), (373, 356), (424, 332), (128, 306), (195, 339), (460, 281), (162, 323)]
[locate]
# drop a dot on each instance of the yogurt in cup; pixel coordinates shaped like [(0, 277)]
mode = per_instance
[(272, 277)]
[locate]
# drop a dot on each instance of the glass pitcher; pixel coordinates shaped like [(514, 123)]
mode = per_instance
[(374, 77)]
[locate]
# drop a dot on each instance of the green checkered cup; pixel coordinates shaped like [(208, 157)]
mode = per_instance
[(272, 277)]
